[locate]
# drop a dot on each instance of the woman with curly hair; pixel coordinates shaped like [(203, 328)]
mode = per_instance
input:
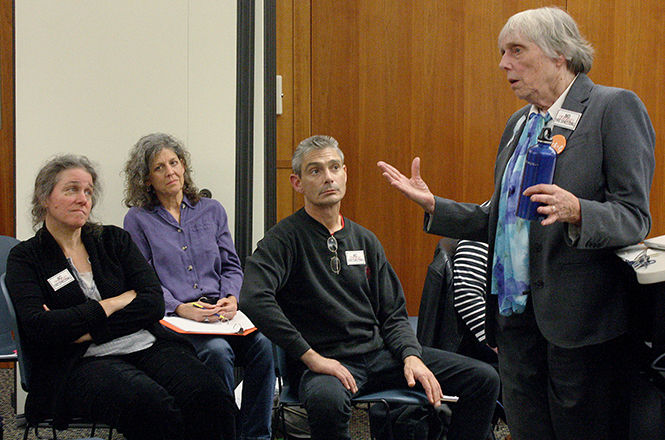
[(187, 240)]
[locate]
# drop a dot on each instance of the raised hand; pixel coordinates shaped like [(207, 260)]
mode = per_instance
[(414, 188)]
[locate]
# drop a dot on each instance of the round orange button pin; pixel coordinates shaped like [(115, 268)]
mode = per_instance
[(558, 143)]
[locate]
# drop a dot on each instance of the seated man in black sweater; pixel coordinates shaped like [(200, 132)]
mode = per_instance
[(319, 286)]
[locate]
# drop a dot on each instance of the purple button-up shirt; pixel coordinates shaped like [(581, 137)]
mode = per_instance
[(192, 258)]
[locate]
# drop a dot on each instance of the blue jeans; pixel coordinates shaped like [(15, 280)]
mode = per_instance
[(162, 392), (254, 352), (476, 383)]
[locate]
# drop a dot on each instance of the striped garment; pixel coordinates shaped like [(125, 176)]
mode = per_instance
[(469, 280)]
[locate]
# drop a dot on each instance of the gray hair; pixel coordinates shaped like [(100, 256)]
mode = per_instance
[(137, 170), (316, 142), (47, 178), (555, 32)]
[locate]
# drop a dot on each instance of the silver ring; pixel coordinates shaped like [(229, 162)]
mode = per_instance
[(206, 319), (553, 209)]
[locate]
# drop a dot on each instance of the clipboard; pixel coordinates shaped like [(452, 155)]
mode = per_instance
[(240, 325)]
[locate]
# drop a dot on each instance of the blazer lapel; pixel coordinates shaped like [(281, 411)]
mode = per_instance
[(576, 100), (507, 151)]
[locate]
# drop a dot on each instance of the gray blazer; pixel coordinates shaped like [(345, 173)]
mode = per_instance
[(578, 287)]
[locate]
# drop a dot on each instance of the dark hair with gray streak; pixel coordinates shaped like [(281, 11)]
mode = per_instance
[(316, 142), (555, 32), (137, 170), (47, 178)]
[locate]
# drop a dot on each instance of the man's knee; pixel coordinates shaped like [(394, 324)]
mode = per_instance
[(325, 396)]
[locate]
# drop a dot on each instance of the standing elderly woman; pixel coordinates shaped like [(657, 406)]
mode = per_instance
[(88, 306), (557, 309), (187, 240)]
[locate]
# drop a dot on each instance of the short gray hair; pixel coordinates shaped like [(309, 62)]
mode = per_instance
[(47, 178), (316, 142), (555, 32), (137, 170)]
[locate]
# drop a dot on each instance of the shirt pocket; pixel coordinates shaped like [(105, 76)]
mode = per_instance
[(203, 238)]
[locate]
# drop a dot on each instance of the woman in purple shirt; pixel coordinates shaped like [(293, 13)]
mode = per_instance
[(186, 238)]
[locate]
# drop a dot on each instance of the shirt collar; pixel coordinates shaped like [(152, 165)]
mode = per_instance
[(187, 202), (554, 109)]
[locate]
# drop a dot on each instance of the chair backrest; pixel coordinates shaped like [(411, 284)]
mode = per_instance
[(6, 245), (7, 345), (10, 318), (285, 374)]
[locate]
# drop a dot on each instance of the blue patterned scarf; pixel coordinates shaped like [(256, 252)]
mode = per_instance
[(510, 271)]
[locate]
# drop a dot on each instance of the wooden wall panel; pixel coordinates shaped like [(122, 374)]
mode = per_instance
[(7, 134), (293, 64)]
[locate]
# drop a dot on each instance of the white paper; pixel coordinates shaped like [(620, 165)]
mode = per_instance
[(238, 324)]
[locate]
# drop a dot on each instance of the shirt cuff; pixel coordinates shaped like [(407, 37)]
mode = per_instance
[(429, 218), (411, 351), (574, 232)]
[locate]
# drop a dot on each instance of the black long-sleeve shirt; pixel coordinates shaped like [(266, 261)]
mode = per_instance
[(295, 298), (48, 336)]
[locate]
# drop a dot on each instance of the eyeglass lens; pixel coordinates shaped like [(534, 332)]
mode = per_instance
[(335, 264), (332, 243)]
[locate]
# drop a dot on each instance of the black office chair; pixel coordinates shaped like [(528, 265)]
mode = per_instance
[(9, 316), (7, 345), (288, 393)]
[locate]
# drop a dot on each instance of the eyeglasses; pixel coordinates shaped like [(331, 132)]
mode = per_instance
[(335, 264)]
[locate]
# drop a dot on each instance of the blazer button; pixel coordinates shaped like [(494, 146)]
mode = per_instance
[(539, 284)]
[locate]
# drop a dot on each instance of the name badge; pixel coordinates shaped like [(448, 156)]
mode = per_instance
[(60, 279), (355, 258), (567, 119)]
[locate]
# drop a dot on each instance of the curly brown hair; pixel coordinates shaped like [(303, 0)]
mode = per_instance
[(137, 170)]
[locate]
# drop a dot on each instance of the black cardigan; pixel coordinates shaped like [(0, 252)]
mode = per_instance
[(47, 336)]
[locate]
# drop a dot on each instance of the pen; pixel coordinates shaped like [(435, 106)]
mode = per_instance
[(221, 317)]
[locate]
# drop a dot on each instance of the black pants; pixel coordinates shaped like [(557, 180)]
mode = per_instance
[(163, 392), (550, 392), (476, 383)]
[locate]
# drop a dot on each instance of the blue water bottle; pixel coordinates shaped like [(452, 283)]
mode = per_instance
[(538, 168)]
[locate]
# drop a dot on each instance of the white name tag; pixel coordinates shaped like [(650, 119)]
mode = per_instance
[(567, 119), (60, 279), (354, 258)]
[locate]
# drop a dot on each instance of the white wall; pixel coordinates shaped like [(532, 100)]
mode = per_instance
[(92, 76)]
